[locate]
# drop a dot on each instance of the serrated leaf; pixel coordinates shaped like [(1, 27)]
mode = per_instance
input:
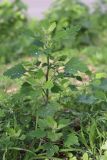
[(71, 140), (48, 122), (54, 136), (15, 72), (51, 149), (42, 124), (67, 34)]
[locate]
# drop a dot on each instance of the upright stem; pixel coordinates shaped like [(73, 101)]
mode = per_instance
[(47, 78)]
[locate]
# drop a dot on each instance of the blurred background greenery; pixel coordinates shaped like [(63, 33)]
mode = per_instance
[(17, 30)]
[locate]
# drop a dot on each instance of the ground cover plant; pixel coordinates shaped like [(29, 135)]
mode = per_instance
[(53, 104)]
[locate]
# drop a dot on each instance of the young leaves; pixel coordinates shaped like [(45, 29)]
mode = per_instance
[(67, 34), (52, 27)]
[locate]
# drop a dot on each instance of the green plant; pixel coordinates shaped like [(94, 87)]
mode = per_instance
[(58, 109), (39, 128)]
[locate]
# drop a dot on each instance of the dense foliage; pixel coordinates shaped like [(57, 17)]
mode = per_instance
[(53, 104)]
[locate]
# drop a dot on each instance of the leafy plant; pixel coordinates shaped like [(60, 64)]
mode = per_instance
[(44, 83), (52, 106)]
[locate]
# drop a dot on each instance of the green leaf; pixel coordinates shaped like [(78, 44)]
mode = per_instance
[(42, 124), (48, 122), (71, 140), (63, 123), (22, 137), (100, 95), (15, 72), (104, 146), (67, 34), (38, 43), (51, 122), (48, 85), (62, 58), (73, 87), (74, 65), (85, 156), (87, 99), (52, 27), (83, 138), (25, 88), (54, 136), (79, 78), (2, 113), (100, 75), (49, 110), (13, 133), (37, 134), (103, 85), (92, 133), (62, 34), (51, 149), (39, 74), (56, 88), (104, 157)]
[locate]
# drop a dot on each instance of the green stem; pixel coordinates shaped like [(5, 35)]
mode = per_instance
[(36, 122), (47, 78)]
